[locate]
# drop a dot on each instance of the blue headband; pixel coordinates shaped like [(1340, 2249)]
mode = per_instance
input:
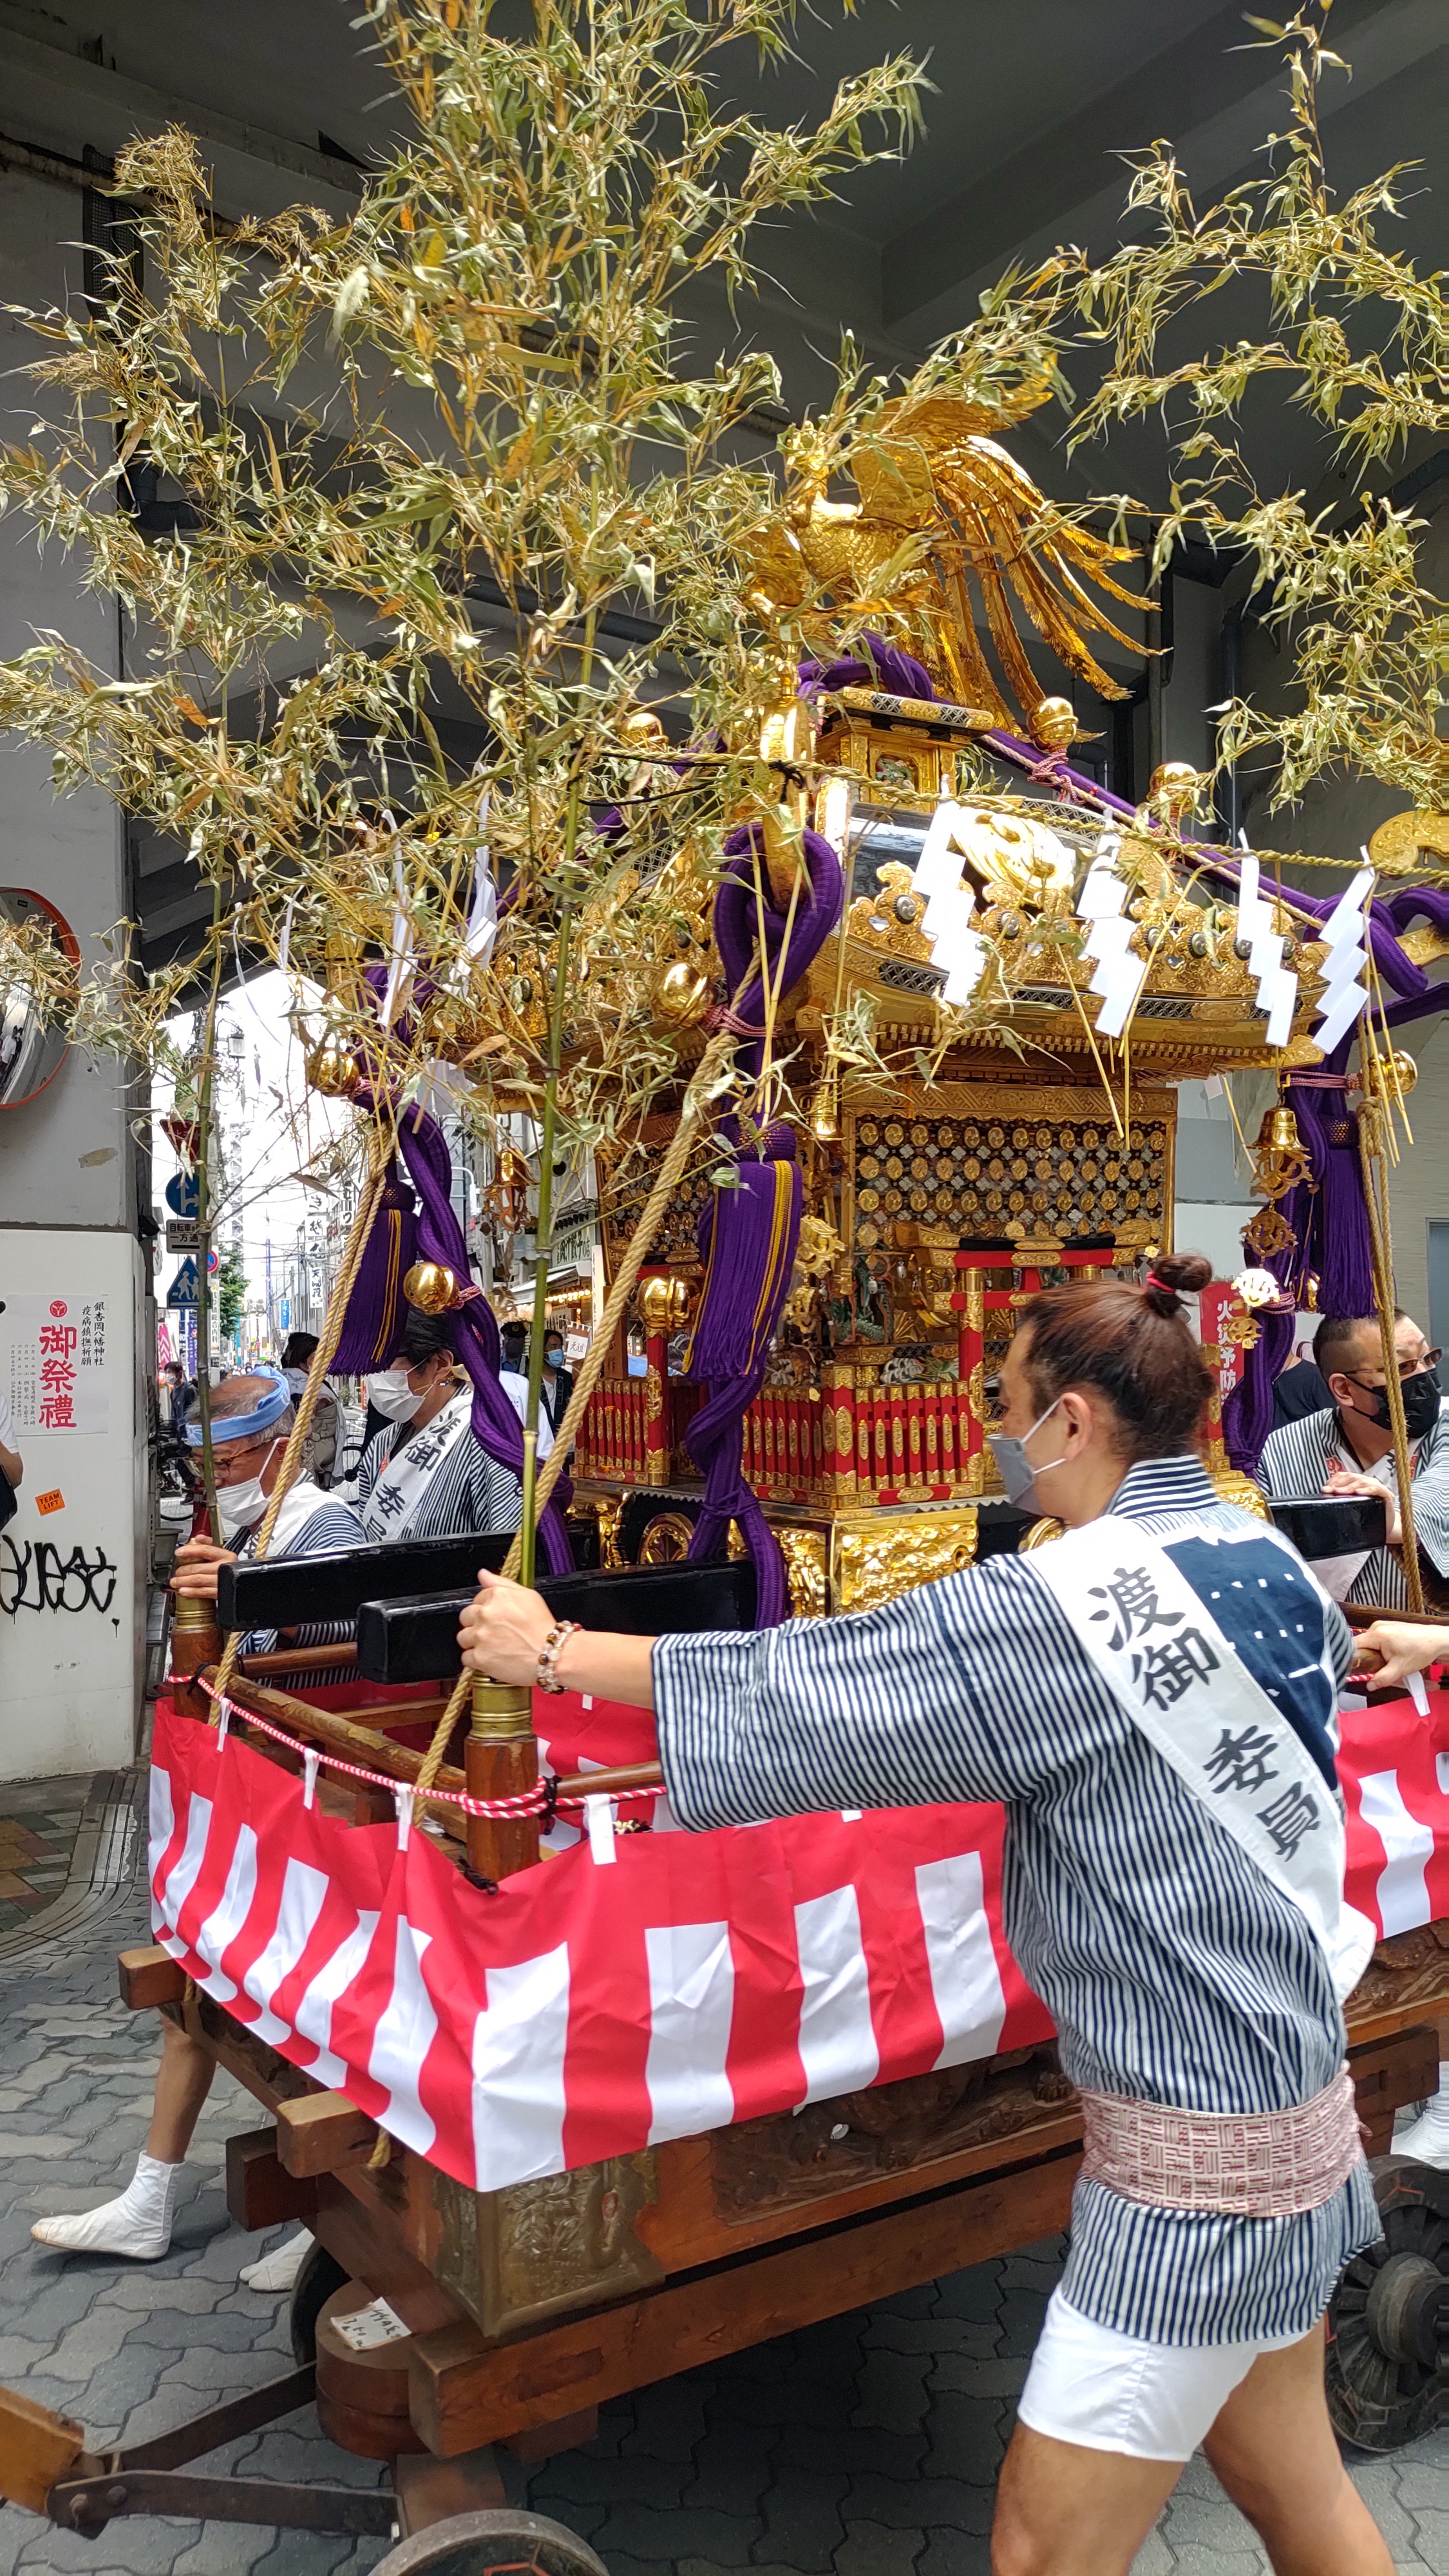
[(241, 1426)]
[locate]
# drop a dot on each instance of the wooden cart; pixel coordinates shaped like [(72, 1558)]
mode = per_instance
[(525, 2309)]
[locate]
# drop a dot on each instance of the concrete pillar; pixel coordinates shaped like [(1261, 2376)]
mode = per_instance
[(72, 1589)]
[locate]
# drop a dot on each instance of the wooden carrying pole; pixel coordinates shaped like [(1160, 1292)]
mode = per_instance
[(641, 1243), (1376, 1198)]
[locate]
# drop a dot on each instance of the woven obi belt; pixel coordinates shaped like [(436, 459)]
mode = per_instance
[(1254, 2164)]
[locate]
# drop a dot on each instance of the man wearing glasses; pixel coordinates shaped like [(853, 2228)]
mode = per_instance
[(1347, 1448)]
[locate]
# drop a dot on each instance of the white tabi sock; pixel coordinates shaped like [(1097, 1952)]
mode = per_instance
[(279, 2271), (138, 2224), (1427, 2139)]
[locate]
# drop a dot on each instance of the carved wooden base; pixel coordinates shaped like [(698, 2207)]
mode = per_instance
[(791, 2158)]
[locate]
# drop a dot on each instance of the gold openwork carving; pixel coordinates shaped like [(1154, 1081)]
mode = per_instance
[(874, 1560), (666, 1539), (807, 1570)]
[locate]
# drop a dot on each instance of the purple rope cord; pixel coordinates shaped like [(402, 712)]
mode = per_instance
[(747, 1238), (883, 666), (426, 1228)]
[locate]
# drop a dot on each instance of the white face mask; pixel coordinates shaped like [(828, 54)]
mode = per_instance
[(239, 1506), (391, 1395)]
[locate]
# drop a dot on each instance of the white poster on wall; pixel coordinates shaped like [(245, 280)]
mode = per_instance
[(71, 1611), (59, 1376)]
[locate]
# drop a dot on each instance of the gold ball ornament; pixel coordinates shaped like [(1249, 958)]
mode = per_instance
[(1400, 1073), (1177, 784), (1054, 723), (680, 995), (664, 1304), (431, 1286), (643, 731), (333, 1069)]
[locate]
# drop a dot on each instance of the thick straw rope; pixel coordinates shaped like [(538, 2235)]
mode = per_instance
[(330, 1336), (640, 1245)]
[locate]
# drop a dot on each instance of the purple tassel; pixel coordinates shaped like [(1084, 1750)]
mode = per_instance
[(403, 1232), (747, 1240), (1248, 1413), (748, 1237), (496, 1426), (376, 1309)]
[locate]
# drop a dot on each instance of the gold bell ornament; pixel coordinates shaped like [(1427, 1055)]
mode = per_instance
[(1280, 1159), (1394, 1075), (825, 1114)]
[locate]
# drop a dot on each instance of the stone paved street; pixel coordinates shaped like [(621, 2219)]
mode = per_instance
[(39, 1822), (866, 2447)]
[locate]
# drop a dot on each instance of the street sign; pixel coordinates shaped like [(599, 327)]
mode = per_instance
[(183, 1194), (182, 1291), (183, 1234), (284, 1313), (213, 1262)]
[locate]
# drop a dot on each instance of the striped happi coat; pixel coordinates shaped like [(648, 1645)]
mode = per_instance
[(469, 1496), (1296, 1460), (1175, 1969), (333, 1525)]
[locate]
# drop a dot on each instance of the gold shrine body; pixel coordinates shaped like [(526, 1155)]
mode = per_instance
[(934, 1210)]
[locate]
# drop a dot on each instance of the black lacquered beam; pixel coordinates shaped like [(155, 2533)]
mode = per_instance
[(301, 1589), (1324, 1525), (415, 1641)]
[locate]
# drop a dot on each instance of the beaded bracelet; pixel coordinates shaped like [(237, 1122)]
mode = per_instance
[(549, 1653)]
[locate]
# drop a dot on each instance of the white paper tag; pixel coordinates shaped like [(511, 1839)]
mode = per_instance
[(1419, 1693), (366, 2328), (599, 1818)]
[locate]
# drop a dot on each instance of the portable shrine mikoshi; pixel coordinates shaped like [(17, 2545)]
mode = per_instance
[(593, 2141), (571, 2104)]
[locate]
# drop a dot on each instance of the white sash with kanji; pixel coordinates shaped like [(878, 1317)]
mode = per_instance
[(392, 1507), (1183, 1684)]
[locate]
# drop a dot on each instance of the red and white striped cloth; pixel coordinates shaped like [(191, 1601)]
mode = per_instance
[(584, 2011)]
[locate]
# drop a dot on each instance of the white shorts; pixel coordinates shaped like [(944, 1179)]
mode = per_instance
[(1113, 2392)]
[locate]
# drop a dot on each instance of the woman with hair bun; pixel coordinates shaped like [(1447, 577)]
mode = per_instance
[(1152, 1697)]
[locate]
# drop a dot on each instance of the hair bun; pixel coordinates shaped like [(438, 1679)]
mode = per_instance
[(1172, 1275)]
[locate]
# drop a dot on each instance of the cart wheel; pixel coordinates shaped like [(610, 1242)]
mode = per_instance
[(1388, 2317), (320, 2275), (473, 2544)]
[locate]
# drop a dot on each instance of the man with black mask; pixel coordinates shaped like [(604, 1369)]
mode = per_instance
[(1347, 1448)]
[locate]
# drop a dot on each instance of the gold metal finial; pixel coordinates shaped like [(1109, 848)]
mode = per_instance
[(680, 995), (643, 731), (1054, 723), (664, 1304), (1176, 785), (333, 1069), (432, 1287)]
